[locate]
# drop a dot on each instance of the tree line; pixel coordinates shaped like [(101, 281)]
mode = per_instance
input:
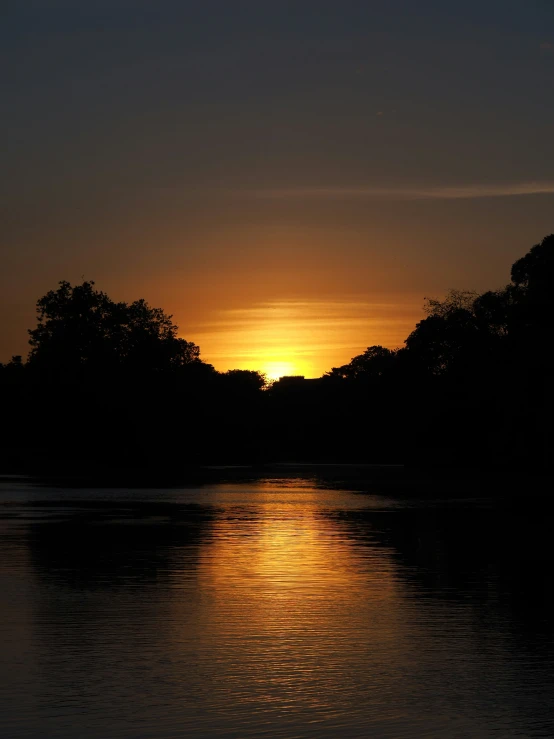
[(110, 384)]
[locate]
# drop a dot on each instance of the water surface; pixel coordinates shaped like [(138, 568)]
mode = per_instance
[(273, 607)]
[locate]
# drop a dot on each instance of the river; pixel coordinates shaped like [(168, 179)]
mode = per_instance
[(273, 607)]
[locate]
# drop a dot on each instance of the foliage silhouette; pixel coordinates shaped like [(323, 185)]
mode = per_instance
[(112, 385), (374, 362), (82, 328)]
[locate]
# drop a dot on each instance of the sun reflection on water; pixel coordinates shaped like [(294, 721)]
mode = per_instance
[(280, 579)]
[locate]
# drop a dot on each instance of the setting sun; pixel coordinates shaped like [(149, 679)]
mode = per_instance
[(275, 370), (302, 337)]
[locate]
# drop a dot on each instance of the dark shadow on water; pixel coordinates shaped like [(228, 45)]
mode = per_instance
[(102, 544), (496, 557)]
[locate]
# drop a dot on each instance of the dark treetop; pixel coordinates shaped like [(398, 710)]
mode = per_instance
[(111, 385)]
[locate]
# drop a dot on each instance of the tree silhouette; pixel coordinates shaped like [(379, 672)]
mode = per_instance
[(449, 336), (533, 277), (375, 362), (535, 271), (111, 383), (244, 381), (82, 328)]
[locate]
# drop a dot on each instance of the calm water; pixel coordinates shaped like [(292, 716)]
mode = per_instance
[(274, 608)]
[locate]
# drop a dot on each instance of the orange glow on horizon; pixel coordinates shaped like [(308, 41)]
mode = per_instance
[(275, 370), (302, 337)]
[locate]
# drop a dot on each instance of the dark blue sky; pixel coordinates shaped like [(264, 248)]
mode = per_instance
[(209, 155)]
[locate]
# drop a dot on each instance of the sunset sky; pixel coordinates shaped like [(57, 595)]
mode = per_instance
[(288, 178)]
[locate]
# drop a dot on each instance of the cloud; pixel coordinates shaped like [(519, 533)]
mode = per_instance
[(410, 192)]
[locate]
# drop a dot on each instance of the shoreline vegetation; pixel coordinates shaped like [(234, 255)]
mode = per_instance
[(421, 483), (109, 392)]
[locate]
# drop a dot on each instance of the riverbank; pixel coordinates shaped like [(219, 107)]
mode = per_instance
[(424, 481)]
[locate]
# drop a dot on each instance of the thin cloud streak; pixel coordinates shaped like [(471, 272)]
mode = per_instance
[(311, 336), (412, 192)]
